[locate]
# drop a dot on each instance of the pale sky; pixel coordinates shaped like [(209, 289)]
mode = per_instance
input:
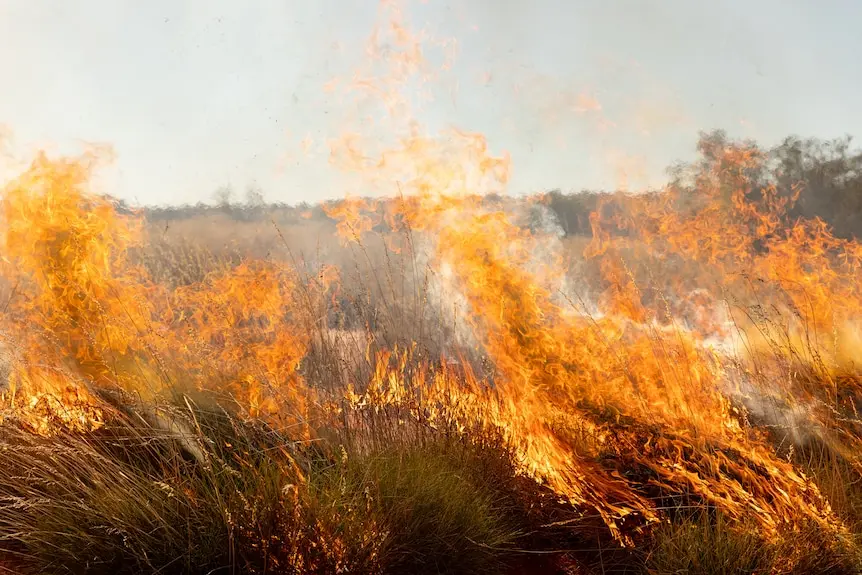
[(194, 94)]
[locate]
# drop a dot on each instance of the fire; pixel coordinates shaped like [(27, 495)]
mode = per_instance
[(646, 389), (83, 317), (609, 404), (238, 324), (641, 391), (62, 247)]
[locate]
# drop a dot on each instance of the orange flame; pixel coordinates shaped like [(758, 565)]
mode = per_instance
[(608, 409)]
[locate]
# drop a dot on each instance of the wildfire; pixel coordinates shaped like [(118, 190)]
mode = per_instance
[(641, 391), (83, 317), (610, 410)]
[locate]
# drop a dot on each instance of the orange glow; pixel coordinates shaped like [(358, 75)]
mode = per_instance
[(610, 401)]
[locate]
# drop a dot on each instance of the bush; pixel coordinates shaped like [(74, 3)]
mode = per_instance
[(438, 509), (196, 489)]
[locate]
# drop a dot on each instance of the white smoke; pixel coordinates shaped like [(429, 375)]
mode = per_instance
[(447, 296)]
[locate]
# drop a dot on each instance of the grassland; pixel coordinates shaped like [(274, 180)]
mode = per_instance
[(367, 429)]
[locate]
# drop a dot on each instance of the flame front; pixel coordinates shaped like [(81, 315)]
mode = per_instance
[(611, 398), (571, 389), (82, 316)]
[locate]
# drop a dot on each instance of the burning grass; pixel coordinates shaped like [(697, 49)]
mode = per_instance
[(442, 383), (439, 382), (190, 488), (443, 398)]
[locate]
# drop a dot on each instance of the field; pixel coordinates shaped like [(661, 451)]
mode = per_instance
[(438, 382)]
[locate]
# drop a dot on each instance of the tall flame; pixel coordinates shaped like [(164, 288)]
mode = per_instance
[(82, 316), (609, 402)]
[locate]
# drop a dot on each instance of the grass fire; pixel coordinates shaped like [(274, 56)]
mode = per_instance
[(439, 378)]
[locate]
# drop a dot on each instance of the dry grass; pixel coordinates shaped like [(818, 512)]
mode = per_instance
[(217, 492), (228, 494)]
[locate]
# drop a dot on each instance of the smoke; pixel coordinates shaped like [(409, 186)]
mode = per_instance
[(771, 407), (544, 234)]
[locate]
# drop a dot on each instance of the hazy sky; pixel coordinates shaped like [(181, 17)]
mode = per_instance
[(194, 94)]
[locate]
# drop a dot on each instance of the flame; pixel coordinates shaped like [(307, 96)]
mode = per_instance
[(238, 324), (62, 249), (83, 317), (643, 388), (610, 403), (643, 393)]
